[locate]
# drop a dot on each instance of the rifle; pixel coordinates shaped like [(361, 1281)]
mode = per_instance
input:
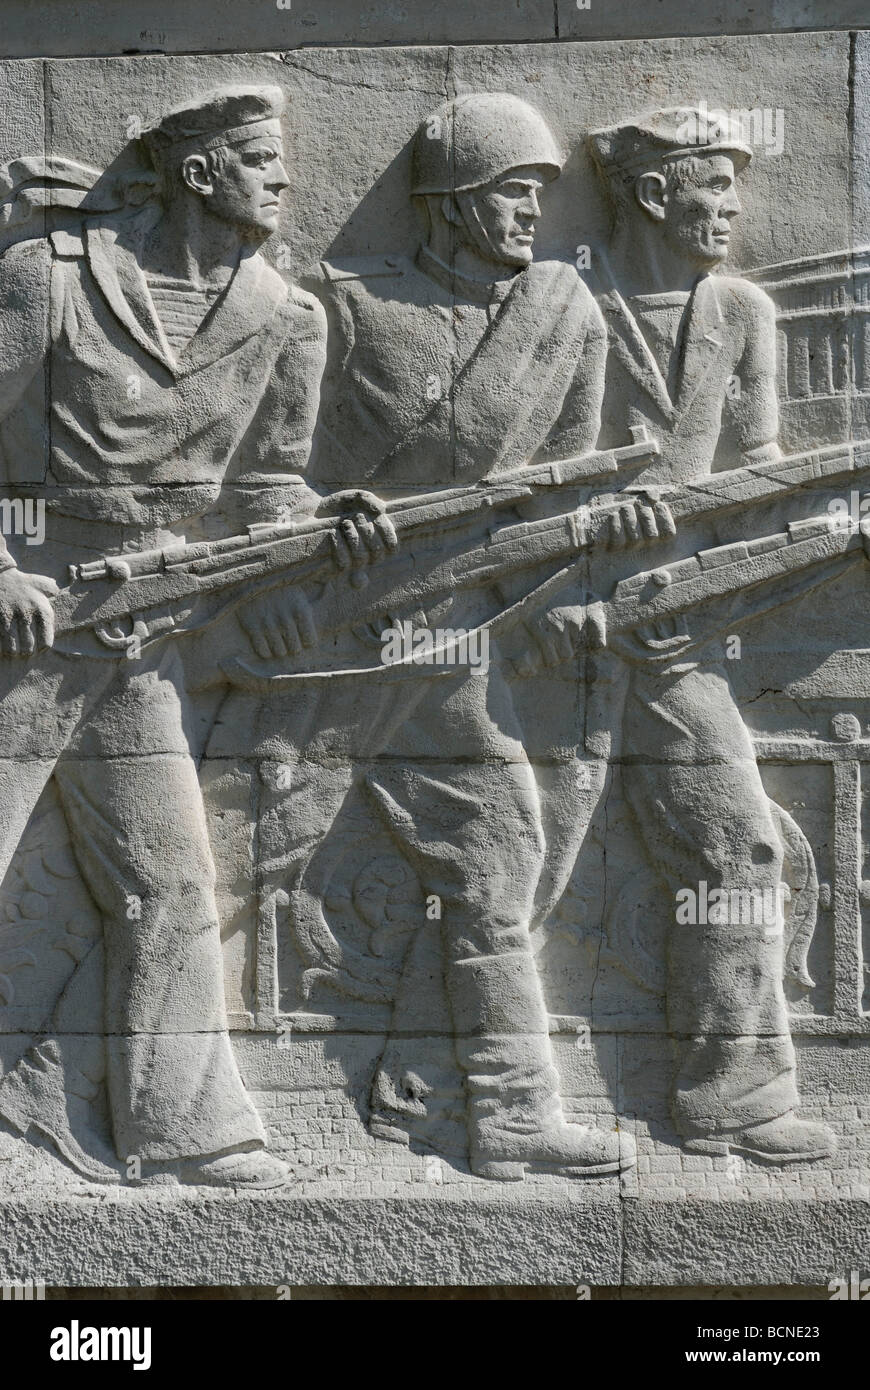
[(805, 555), (185, 587), (733, 487), (774, 480), (739, 567)]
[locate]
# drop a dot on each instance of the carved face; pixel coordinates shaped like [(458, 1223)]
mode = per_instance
[(244, 185), (699, 205), (500, 218)]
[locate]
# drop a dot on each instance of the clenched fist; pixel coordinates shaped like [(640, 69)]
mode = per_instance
[(26, 615), (641, 518), (281, 622)]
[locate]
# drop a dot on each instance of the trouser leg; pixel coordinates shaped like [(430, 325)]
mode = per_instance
[(41, 701), (473, 834), (138, 831), (694, 787), (40, 705)]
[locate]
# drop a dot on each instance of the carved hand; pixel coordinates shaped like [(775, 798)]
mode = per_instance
[(365, 532), (557, 635), (279, 623), (26, 615), (282, 622), (643, 518)]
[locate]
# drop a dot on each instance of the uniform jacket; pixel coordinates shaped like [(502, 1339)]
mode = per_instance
[(437, 379), (138, 438), (724, 411)]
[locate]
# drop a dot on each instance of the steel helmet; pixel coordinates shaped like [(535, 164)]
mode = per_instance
[(473, 139)]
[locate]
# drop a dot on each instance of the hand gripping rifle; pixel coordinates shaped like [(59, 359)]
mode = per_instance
[(185, 587), (767, 571)]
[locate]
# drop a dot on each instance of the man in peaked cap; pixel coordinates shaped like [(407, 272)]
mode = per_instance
[(692, 357), (179, 375), (469, 359), (673, 327)]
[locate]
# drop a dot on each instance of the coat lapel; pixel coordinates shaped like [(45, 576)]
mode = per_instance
[(249, 301), (626, 341), (702, 341), (630, 347)]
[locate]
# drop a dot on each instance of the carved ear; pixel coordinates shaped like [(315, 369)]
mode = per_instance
[(649, 190), (196, 174), (449, 211)]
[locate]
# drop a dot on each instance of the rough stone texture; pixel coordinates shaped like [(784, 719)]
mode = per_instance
[(861, 142), (105, 26), (383, 981), (670, 17)]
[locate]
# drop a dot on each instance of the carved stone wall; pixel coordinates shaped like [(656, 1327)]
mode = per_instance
[(435, 686)]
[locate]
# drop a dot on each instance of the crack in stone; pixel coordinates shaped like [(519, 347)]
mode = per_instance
[(290, 60)]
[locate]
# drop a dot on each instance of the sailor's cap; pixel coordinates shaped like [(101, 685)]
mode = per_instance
[(228, 116)]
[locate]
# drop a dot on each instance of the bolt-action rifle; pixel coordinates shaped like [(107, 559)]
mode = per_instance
[(183, 588)]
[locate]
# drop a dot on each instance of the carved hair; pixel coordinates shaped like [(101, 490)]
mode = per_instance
[(678, 171)]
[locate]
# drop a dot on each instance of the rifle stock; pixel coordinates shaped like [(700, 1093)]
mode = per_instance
[(182, 587), (731, 569)]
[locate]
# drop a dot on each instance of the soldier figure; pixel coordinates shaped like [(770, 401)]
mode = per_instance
[(469, 359), (174, 368), (680, 337)]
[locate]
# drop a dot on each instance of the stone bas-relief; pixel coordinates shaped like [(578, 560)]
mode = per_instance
[(385, 800), (474, 307), (679, 338), (146, 311)]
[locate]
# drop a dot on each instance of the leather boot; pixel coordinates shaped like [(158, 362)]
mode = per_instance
[(44, 1094), (783, 1140), (515, 1117)]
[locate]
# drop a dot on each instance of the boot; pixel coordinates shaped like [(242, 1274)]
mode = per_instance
[(255, 1170), (783, 1140), (567, 1150), (418, 1098), (515, 1119), (36, 1096), (250, 1169)]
